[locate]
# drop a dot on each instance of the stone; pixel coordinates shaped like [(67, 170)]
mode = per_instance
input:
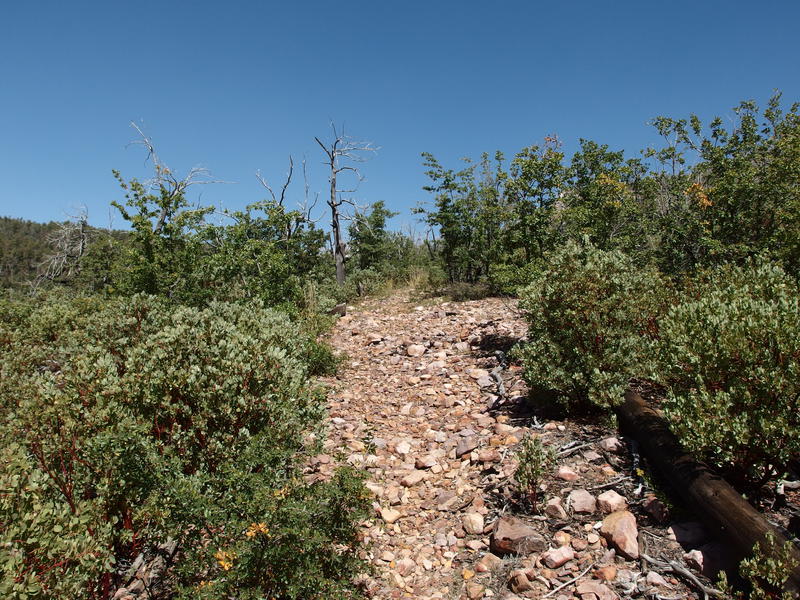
[(606, 573), (566, 474), (711, 558), (390, 515), (520, 582), (412, 478), (694, 558), (513, 536), (592, 590), (489, 455), (554, 509), (474, 590), (473, 523), (654, 578), (402, 447), (478, 373), (612, 444), (610, 501), (485, 382), (425, 462), (466, 445), (415, 350), (581, 501), (557, 557), (488, 562), (619, 529), (562, 538), (579, 544), (406, 566)]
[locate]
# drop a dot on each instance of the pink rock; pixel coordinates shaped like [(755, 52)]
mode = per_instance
[(554, 558), (412, 478), (488, 562), (612, 444), (581, 501), (654, 578), (610, 501), (554, 509), (514, 536), (591, 590), (473, 523), (390, 515), (415, 350), (566, 474), (619, 528), (520, 581), (406, 566)]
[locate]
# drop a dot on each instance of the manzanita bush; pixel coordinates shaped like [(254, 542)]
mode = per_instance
[(592, 322), (730, 359), (130, 422)]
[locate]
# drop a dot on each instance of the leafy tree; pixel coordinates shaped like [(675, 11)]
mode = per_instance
[(370, 242)]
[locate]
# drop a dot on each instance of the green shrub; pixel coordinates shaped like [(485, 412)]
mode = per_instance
[(592, 319), (129, 422), (731, 360), (534, 460)]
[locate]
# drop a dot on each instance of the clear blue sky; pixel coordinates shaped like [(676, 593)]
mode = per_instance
[(237, 86)]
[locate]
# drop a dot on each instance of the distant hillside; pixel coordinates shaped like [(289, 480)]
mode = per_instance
[(23, 246)]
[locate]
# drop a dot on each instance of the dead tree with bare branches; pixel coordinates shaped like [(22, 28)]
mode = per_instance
[(69, 242), (341, 152)]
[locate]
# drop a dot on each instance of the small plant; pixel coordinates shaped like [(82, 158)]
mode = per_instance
[(765, 571), (534, 461)]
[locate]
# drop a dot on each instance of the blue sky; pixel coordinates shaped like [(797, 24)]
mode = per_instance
[(238, 86)]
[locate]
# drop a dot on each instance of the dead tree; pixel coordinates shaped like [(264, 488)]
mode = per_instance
[(341, 153), (69, 242)]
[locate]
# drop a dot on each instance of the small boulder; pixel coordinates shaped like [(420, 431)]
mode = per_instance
[(519, 581), (554, 509), (612, 444), (390, 515), (581, 501), (557, 557), (488, 562), (415, 350), (592, 590), (657, 510), (466, 445), (619, 528), (566, 474), (514, 536), (610, 501), (412, 478), (473, 523)]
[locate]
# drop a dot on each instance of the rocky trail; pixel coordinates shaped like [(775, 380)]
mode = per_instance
[(431, 406)]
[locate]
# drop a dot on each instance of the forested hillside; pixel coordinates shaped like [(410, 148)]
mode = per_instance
[(23, 246)]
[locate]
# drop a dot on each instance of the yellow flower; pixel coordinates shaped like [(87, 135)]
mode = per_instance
[(225, 558), (256, 528)]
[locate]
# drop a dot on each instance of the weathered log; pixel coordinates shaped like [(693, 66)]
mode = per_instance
[(709, 495)]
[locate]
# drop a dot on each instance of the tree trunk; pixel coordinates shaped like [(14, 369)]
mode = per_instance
[(338, 244), (703, 491)]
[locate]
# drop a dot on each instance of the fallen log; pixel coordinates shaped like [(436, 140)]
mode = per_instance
[(703, 491)]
